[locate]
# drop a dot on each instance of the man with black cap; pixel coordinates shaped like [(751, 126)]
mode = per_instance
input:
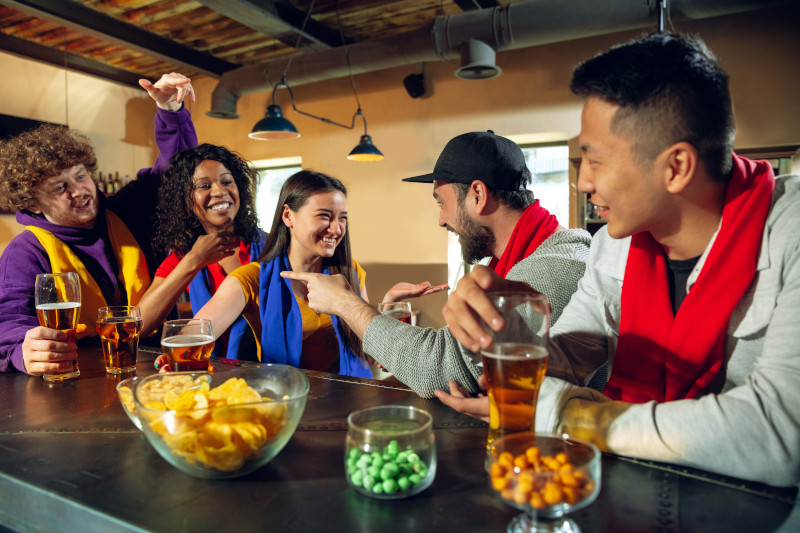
[(480, 184)]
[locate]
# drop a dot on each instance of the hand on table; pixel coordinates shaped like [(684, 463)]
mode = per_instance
[(162, 364), (459, 399), (403, 290), (469, 304), (46, 350), (170, 90)]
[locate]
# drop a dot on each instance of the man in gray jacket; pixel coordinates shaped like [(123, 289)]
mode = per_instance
[(692, 291), (480, 184)]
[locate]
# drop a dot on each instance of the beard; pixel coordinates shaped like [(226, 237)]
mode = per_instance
[(477, 241)]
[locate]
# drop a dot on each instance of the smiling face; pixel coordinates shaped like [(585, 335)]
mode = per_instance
[(477, 241), (68, 199), (629, 197), (215, 195), (318, 226)]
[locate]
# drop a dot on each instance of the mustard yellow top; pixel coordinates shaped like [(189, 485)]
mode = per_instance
[(320, 347)]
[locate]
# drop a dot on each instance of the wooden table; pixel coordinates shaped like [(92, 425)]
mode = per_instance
[(70, 460)]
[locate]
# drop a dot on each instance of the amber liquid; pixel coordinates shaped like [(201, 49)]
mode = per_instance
[(399, 314), (514, 373), (188, 353), (63, 316), (119, 337)]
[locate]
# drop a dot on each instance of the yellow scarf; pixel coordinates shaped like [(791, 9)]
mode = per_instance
[(133, 268)]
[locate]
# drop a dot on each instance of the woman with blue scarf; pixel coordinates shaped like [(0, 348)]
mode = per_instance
[(207, 219), (308, 234)]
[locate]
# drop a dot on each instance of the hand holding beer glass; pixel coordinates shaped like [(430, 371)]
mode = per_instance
[(516, 362), (119, 328), (58, 306), (188, 344)]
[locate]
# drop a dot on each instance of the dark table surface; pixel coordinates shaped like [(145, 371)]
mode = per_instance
[(70, 460)]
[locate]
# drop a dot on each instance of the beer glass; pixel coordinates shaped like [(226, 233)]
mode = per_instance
[(398, 310), (119, 328), (188, 344), (516, 362), (58, 306)]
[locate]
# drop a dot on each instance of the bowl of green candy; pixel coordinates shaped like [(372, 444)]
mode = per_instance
[(390, 451)]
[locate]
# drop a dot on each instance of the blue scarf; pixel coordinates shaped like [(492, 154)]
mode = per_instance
[(200, 293), (282, 325)]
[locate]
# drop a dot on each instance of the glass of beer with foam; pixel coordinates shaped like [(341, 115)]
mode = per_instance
[(58, 306), (188, 344), (516, 362)]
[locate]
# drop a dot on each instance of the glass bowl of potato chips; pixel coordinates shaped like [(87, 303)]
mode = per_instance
[(225, 424)]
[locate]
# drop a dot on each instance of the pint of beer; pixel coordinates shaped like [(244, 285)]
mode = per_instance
[(188, 344), (516, 362), (119, 328), (514, 373), (58, 306)]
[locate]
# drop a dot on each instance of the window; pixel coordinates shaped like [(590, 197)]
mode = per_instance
[(272, 174)]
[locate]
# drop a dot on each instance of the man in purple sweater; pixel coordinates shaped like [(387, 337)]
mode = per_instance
[(45, 176)]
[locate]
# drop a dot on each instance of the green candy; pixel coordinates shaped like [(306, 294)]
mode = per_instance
[(389, 486), (385, 471)]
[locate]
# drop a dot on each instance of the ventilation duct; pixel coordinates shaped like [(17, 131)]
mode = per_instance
[(518, 25)]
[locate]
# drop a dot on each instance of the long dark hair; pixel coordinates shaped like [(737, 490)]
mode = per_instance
[(177, 226), (295, 193)]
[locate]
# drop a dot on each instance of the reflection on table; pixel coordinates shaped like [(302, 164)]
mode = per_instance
[(70, 459)]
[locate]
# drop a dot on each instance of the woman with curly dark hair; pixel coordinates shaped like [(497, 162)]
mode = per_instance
[(206, 218), (308, 234)]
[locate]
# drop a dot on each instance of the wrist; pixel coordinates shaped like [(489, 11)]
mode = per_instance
[(171, 105)]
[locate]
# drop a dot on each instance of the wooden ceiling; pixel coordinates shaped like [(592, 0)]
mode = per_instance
[(123, 40)]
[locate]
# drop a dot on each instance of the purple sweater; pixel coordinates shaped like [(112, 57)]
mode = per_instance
[(135, 204)]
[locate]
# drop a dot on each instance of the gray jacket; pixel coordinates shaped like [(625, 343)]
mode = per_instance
[(425, 358), (749, 425)]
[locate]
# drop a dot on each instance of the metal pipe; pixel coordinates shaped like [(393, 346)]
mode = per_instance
[(509, 27)]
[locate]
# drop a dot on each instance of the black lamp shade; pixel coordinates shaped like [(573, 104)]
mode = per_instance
[(273, 126), (365, 151)]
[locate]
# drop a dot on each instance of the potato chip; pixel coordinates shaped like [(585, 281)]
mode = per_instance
[(221, 427)]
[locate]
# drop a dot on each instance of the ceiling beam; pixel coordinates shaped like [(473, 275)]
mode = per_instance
[(58, 58), (276, 18), (471, 5), (80, 18)]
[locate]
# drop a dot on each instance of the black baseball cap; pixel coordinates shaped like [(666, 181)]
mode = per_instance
[(479, 155)]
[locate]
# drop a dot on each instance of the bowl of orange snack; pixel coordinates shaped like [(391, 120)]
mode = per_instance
[(225, 424), (546, 476)]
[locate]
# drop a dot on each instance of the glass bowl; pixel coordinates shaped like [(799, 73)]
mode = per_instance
[(225, 424), (546, 476), (125, 393), (390, 451)]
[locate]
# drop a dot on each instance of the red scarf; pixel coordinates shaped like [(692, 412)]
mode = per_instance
[(661, 356), (534, 226)]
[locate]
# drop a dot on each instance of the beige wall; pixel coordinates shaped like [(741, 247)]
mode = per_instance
[(393, 224)]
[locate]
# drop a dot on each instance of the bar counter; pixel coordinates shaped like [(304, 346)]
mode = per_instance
[(70, 460)]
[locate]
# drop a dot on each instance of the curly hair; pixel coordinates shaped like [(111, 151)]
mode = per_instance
[(669, 88), (177, 226), (38, 154)]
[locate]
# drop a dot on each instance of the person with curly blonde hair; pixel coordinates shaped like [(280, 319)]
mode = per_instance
[(46, 177)]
